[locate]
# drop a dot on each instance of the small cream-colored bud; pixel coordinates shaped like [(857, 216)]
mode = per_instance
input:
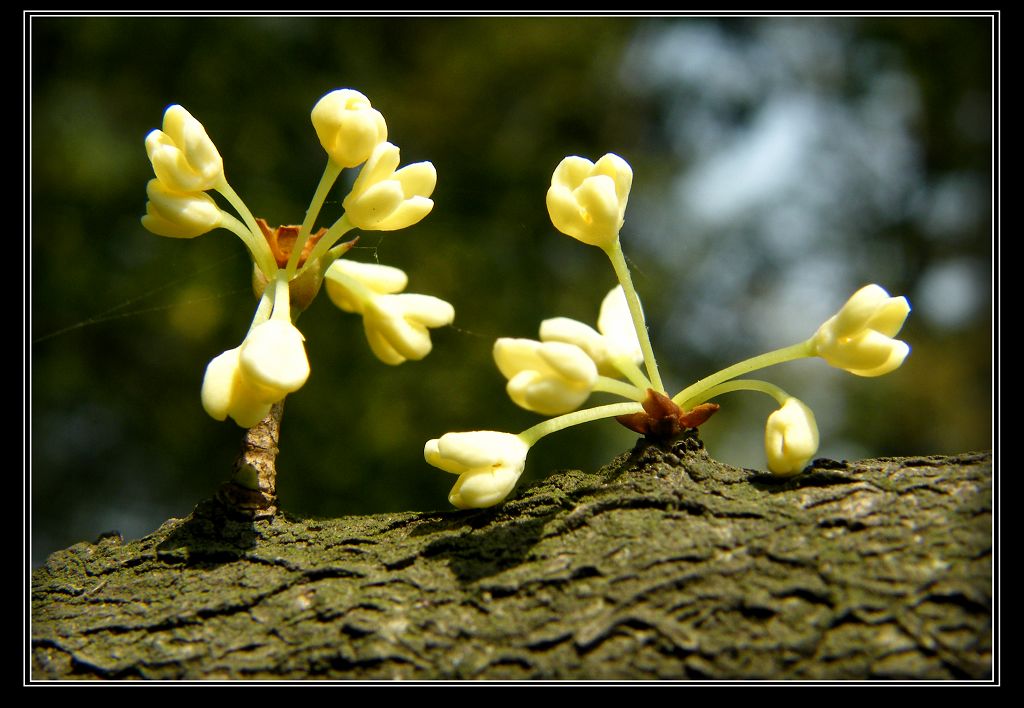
[(588, 200), (179, 214), (183, 156), (227, 393), (488, 463), (615, 341), (246, 381), (273, 357), (859, 338), (790, 438), (375, 278), (385, 200), (545, 377), (397, 326), (349, 128)]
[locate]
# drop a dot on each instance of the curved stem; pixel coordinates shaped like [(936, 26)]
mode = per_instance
[(330, 175), (258, 246), (794, 351), (232, 224), (531, 435), (636, 312), (739, 385), (621, 388)]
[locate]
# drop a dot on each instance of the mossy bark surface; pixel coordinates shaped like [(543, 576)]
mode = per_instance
[(663, 565)]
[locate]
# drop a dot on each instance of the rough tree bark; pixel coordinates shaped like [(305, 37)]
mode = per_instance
[(663, 565)]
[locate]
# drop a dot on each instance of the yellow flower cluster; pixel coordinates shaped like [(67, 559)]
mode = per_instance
[(291, 262), (556, 375)]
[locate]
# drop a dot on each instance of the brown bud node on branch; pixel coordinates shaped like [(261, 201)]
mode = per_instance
[(662, 419), (282, 240)]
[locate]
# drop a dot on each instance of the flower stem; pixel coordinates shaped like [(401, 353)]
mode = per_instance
[(631, 371), (263, 310), (738, 385), (621, 388), (697, 390), (633, 300), (330, 175), (532, 435), (258, 246), (354, 286), (282, 299), (337, 230)]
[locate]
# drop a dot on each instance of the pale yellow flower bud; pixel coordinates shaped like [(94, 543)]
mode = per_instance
[(859, 338), (349, 128), (179, 214), (226, 392), (614, 340), (588, 200), (385, 200), (545, 377), (616, 324), (790, 438), (246, 381), (183, 156), (488, 463), (377, 279), (397, 325), (570, 331), (273, 357)]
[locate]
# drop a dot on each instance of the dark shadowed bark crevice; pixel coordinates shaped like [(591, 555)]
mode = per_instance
[(663, 565)]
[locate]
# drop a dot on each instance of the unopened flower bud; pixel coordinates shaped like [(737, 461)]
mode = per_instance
[(385, 200), (397, 326), (859, 338), (273, 356), (349, 128), (488, 463), (615, 341), (226, 392), (545, 377), (179, 214), (183, 156), (588, 200), (375, 278), (790, 438)]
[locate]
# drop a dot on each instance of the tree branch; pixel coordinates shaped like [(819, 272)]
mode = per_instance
[(664, 564)]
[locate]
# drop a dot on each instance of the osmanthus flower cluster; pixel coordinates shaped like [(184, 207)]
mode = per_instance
[(290, 263), (555, 374)]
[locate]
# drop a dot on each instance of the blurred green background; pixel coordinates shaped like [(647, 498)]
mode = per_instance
[(779, 165)]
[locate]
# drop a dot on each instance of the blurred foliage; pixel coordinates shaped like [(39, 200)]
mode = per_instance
[(124, 322)]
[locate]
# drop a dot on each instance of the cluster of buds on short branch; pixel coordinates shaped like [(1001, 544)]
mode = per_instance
[(291, 262), (249, 382), (556, 375)]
